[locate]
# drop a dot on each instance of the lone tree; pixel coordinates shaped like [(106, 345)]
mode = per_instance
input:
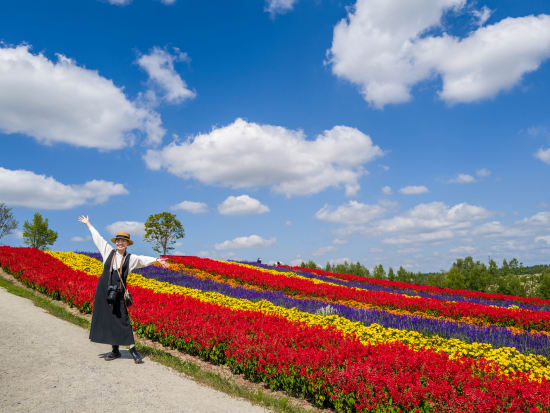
[(163, 230), (7, 221), (37, 234)]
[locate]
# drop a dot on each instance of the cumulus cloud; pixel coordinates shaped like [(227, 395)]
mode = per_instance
[(252, 241), (464, 249), (527, 227), (545, 238), (323, 251), (241, 205), (434, 216), (382, 46), (338, 241), (134, 228), (483, 173), (245, 154), (119, 2), (543, 155), (192, 207), (414, 190), (61, 102), (482, 15), (387, 190), (274, 7), (352, 213), (27, 189), (159, 65), (462, 179), (81, 239)]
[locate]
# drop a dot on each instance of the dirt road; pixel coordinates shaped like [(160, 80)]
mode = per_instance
[(49, 365)]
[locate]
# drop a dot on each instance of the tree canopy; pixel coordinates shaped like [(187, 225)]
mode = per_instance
[(162, 230), (7, 222), (37, 234)]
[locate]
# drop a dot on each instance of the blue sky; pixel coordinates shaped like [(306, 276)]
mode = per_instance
[(395, 132)]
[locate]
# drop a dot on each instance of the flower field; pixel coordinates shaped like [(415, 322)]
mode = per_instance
[(340, 341)]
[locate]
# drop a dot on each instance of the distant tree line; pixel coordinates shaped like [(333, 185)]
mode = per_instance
[(465, 274)]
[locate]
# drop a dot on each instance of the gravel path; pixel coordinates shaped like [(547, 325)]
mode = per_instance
[(49, 365)]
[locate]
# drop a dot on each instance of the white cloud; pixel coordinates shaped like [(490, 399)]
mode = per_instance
[(482, 15), (421, 237), (408, 251), (245, 154), (119, 2), (545, 238), (61, 102), (252, 241), (434, 216), (376, 250), (288, 223), (387, 190), (414, 190), (382, 46), (337, 261), (279, 6), (27, 189), (81, 239), (241, 205), (465, 249), (338, 241), (352, 213), (135, 229), (323, 251), (159, 65), (462, 179), (483, 173), (543, 155), (192, 207)]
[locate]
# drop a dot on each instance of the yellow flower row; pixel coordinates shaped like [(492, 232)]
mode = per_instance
[(508, 357)]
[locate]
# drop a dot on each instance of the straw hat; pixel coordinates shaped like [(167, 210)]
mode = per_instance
[(122, 235)]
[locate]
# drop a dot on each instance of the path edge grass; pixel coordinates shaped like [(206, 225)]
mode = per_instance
[(208, 378)]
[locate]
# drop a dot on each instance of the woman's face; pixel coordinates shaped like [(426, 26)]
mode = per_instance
[(121, 244)]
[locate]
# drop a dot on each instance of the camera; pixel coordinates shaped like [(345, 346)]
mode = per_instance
[(112, 292)]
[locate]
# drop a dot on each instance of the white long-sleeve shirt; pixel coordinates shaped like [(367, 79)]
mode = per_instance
[(136, 261)]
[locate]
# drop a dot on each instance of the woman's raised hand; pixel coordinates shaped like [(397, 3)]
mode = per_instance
[(84, 219), (163, 262)]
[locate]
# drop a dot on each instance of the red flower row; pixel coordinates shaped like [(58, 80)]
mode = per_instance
[(50, 276), (426, 288), (526, 319), (324, 365)]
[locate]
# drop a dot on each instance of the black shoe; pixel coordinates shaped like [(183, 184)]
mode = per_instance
[(112, 355), (138, 358)]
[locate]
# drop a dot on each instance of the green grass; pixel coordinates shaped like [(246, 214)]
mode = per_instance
[(198, 374)]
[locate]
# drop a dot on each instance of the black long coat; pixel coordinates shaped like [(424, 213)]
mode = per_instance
[(110, 322)]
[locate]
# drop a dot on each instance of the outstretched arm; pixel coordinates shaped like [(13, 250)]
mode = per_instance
[(102, 245), (140, 261)]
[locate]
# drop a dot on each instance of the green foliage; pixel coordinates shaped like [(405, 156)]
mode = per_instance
[(310, 264), (37, 234), (391, 274), (378, 272), (544, 284), (163, 230), (7, 221)]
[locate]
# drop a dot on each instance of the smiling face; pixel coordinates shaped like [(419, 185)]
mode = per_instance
[(121, 245)]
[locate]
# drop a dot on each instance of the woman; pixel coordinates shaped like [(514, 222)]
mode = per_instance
[(110, 320)]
